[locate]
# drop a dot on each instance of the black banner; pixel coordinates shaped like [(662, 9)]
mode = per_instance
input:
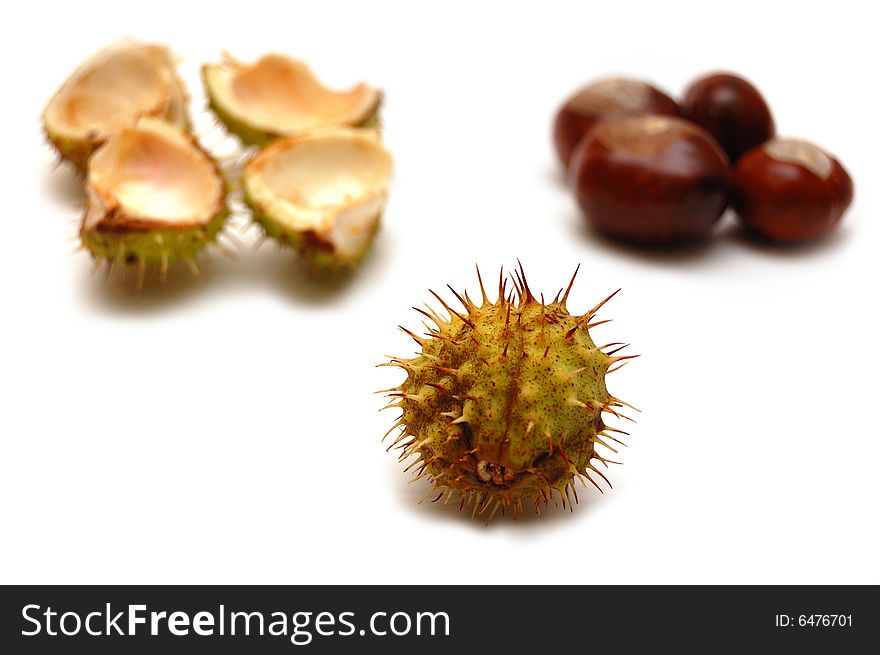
[(431, 619)]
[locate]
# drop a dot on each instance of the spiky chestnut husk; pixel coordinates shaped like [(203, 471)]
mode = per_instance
[(246, 128), (504, 403), (138, 171), (320, 255), (322, 194), (147, 246), (251, 136), (78, 151), (170, 102)]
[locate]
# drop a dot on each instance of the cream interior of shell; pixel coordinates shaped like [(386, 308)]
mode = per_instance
[(334, 184), (281, 95), (115, 88), (153, 172)]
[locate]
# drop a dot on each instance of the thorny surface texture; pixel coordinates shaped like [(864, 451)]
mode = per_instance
[(154, 251), (505, 403)]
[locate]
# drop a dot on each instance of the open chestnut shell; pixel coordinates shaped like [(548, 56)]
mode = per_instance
[(651, 180)]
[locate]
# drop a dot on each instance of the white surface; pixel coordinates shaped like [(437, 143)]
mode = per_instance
[(226, 432)]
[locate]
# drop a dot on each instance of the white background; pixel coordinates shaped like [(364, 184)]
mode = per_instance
[(225, 431)]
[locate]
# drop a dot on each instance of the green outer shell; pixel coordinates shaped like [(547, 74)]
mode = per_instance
[(153, 247), (79, 151), (76, 151), (320, 254), (255, 137), (513, 388)]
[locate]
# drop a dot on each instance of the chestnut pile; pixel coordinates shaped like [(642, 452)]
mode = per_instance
[(651, 171)]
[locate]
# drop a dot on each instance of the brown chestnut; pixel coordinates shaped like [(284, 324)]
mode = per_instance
[(651, 180), (788, 191), (731, 109), (608, 98)]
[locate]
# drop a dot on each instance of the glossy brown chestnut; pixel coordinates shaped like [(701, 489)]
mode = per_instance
[(651, 180), (788, 191), (731, 109), (608, 98)]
